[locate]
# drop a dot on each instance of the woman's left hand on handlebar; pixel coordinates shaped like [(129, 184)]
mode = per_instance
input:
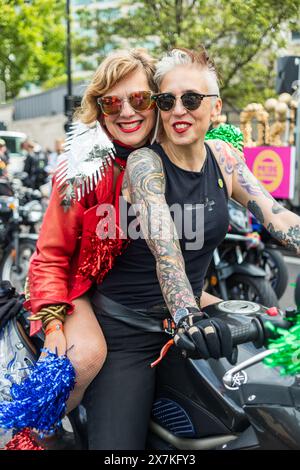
[(203, 338)]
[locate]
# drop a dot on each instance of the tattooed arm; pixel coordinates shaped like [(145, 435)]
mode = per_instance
[(144, 185), (282, 224)]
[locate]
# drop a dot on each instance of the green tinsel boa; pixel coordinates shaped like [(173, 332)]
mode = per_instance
[(228, 133), (287, 346)]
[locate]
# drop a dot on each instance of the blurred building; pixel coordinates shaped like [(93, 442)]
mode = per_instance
[(41, 116), (293, 45), (106, 9)]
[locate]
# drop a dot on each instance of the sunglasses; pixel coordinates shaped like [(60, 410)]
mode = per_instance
[(190, 100), (138, 100)]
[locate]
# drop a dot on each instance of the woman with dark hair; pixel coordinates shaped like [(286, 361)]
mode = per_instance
[(163, 269)]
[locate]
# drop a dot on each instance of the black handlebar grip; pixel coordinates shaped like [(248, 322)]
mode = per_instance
[(245, 333)]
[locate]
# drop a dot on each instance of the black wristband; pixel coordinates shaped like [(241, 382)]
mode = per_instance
[(183, 312), (194, 310)]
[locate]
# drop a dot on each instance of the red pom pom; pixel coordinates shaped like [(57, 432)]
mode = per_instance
[(23, 441), (100, 255)]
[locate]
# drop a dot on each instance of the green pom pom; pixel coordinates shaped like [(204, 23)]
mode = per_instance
[(228, 133), (287, 345)]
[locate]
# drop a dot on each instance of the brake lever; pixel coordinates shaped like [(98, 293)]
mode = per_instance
[(228, 376)]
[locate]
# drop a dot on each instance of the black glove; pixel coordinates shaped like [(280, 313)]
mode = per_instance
[(203, 338)]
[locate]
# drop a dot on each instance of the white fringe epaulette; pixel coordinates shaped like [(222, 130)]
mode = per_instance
[(87, 153)]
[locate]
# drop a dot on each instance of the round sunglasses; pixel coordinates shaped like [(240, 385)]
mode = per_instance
[(138, 100), (190, 100)]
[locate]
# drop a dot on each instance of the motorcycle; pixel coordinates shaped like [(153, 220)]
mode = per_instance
[(240, 268), (271, 260), (213, 405), (203, 404), (217, 406), (20, 212)]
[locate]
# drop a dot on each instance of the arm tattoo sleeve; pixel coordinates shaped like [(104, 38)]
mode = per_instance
[(289, 238), (283, 224), (145, 175), (125, 184), (248, 181), (276, 208), (256, 211), (233, 160)]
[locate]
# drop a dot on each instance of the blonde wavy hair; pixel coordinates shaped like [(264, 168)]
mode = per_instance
[(114, 68)]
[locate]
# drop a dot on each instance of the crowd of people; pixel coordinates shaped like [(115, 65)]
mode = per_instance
[(39, 163)]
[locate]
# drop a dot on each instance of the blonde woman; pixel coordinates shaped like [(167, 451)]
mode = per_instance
[(119, 98)]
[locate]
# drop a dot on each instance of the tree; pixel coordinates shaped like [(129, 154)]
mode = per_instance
[(244, 38), (32, 42), (96, 36)]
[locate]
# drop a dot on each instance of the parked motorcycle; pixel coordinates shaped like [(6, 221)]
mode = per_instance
[(20, 212), (239, 269), (271, 260)]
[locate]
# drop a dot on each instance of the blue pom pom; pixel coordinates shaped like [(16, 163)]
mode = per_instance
[(39, 401)]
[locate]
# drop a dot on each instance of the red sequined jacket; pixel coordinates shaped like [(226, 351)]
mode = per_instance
[(69, 255)]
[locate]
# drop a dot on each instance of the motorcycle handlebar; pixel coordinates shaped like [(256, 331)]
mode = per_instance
[(246, 333), (258, 331)]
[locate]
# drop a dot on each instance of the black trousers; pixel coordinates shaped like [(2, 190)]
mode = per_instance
[(119, 400)]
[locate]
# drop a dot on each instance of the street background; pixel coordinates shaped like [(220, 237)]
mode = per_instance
[(293, 263)]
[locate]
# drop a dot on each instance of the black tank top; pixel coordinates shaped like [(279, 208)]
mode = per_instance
[(133, 281)]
